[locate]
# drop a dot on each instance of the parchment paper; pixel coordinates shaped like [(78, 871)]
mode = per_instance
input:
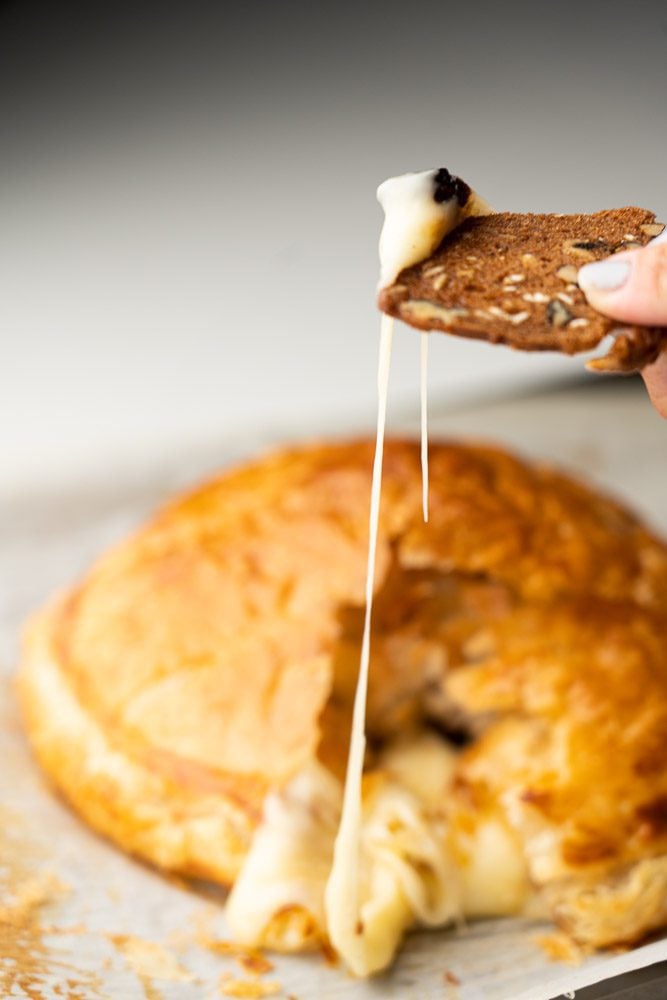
[(85, 921)]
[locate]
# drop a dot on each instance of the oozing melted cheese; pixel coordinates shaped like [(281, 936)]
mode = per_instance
[(289, 861), (415, 868), (416, 220), (342, 896), (390, 860)]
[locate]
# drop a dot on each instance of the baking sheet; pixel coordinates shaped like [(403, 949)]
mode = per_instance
[(79, 919)]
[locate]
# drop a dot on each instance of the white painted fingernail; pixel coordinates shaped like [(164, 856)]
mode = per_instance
[(604, 275)]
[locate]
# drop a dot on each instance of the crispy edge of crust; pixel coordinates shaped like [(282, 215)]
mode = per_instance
[(170, 826), (616, 911)]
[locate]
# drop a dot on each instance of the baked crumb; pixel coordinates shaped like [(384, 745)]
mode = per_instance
[(560, 947), (250, 959), (252, 988)]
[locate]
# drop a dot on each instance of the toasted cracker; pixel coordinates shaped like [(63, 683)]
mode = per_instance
[(512, 279)]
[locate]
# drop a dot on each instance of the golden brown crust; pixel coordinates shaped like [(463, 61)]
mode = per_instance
[(512, 279), (174, 824), (201, 662), (578, 751)]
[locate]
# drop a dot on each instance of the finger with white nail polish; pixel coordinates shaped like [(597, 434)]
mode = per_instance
[(630, 286)]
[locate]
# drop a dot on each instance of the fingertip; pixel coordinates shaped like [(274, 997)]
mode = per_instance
[(604, 276), (631, 286)]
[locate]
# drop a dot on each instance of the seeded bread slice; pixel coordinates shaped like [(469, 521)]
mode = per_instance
[(512, 279)]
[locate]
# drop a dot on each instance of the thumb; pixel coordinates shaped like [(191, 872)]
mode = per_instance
[(630, 286)]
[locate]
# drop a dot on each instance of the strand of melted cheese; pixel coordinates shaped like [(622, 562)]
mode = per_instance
[(417, 218), (418, 864), (342, 896), (424, 420), (399, 863)]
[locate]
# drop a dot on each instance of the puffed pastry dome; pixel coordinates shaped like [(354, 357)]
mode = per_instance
[(191, 697)]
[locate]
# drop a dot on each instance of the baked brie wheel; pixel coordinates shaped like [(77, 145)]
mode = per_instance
[(192, 696)]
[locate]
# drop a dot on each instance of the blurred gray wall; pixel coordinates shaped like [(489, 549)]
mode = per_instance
[(188, 227)]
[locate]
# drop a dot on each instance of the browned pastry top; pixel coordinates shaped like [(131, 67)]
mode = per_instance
[(204, 645), (512, 279)]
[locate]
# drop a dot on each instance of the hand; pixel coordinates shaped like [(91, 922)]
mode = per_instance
[(632, 287)]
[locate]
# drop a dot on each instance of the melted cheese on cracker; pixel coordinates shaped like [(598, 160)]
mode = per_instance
[(420, 210)]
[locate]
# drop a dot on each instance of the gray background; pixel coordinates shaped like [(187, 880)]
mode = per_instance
[(188, 227)]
